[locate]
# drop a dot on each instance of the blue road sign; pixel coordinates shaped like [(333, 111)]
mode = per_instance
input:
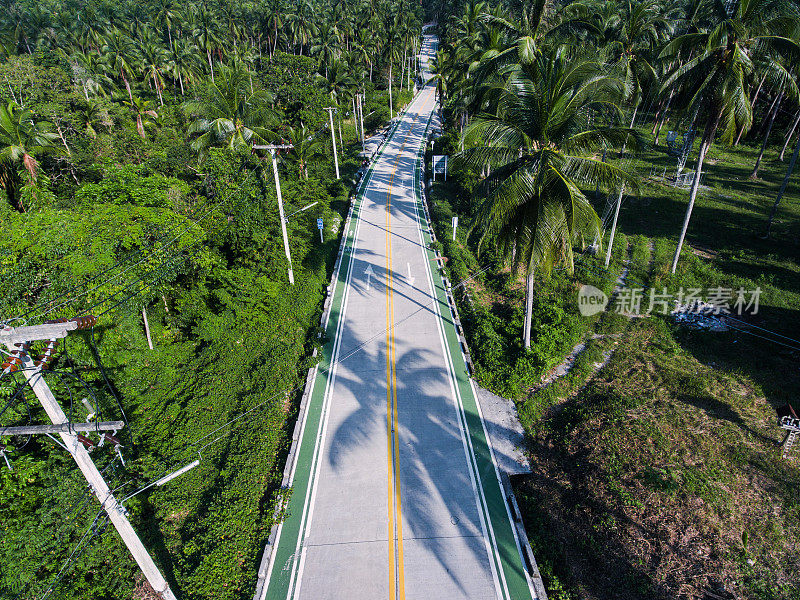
[(319, 223)]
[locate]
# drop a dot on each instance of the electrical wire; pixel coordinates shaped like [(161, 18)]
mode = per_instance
[(795, 348), (116, 265), (96, 352), (786, 337), (96, 530)]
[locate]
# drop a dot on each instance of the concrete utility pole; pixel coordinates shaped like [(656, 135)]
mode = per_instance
[(272, 148), (361, 117), (17, 340), (330, 110)]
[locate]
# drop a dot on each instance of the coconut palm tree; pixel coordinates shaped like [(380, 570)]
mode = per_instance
[(21, 138), (181, 60), (120, 55), (541, 152), (142, 111), (206, 38), (633, 32), (93, 117), (327, 48), (306, 149), (229, 114), (738, 40), (153, 61)]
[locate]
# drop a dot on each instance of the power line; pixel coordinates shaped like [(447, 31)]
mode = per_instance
[(795, 348), (295, 389)]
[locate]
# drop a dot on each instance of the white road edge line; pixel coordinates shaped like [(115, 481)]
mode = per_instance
[(308, 507), (480, 501)]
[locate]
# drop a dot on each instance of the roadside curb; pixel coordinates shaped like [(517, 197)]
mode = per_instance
[(529, 560), (291, 457)]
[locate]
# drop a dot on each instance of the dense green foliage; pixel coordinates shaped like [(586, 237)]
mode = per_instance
[(655, 448), (128, 184)]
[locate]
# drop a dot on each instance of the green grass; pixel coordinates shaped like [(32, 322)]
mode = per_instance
[(658, 476), (663, 471)]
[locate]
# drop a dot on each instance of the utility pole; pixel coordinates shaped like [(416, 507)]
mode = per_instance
[(360, 97), (18, 342), (272, 150), (330, 110)]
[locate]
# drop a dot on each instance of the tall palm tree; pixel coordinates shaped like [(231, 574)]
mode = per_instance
[(120, 54), (306, 149), (633, 32), (229, 114), (392, 49), (181, 60), (273, 21), (738, 40), (21, 138), (153, 61), (142, 111), (337, 80), (206, 37), (166, 15), (541, 151), (327, 47)]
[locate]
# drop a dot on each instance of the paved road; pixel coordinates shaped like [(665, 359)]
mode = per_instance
[(395, 492)]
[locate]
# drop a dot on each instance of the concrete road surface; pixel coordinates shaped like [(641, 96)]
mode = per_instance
[(395, 491)]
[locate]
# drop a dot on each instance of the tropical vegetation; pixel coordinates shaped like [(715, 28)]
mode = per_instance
[(638, 147), (130, 189)]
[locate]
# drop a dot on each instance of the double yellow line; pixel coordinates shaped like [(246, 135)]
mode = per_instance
[(397, 590)]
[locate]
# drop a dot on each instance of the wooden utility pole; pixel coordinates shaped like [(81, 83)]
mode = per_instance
[(17, 340)]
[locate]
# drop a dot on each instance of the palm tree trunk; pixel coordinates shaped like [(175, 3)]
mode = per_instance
[(783, 188), (663, 117), (708, 138), (658, 115), (754, 174), (614, 225), (764, 122), (752, 106), (622, 151), (789, 137), (158, 89), (180, 79), (127, 85), (526, 334), (210, 64), (403, 70), (391, 113)]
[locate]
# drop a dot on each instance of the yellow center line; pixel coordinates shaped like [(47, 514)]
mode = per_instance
[(389, 432), (393, 437)]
